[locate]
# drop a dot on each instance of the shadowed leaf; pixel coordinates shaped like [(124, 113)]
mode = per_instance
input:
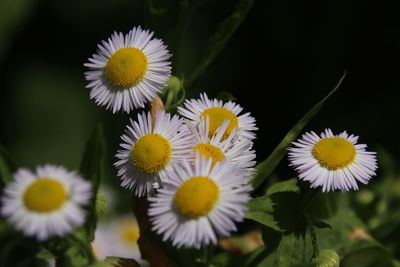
[(265, 168), (92, 170)]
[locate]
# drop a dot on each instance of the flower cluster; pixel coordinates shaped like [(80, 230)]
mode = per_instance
[(194, 171), (193, 167)]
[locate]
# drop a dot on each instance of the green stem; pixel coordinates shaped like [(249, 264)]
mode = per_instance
[(314, 241)]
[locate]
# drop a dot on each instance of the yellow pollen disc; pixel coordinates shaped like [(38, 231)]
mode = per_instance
[(126, 67), (334, 153), (209, 151), (217, 116), (196, 196), (151, 153), (45, 195), (130, 233)]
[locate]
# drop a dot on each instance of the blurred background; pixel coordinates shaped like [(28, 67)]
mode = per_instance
[(283, 58)]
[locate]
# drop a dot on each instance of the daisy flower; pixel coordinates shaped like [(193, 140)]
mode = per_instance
[(128, 70), (46, 203), (118, 238), (239, 153), (148, 154), (201, 202), (218, 112), (332, 161)]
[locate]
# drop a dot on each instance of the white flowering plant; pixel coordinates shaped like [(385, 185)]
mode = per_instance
[(199, 196)]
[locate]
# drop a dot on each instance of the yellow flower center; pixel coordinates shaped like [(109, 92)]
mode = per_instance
[(217, 116), (129, 232), (209, 151), (45, 195), (334, 153), (151, 153), (196, 196), (126, 67)]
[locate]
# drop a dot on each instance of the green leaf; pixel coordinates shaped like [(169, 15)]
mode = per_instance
[(7, 167), (45, 254), (345, 228), (219, 39), (368, 253), (271, 239), (323, 205), (328, 258), (265, 168), (221, 259), (294, 250), (272, 209), (92, 170), (253, 259), (285, 186), (73, 256), (71, 250), (261, 211), (281, 211)]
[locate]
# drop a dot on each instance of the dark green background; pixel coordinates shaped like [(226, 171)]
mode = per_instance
[(293, 52)]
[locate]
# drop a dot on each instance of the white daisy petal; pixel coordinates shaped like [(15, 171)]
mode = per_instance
[(148, 155), (334, 162), (46, 203), (218, 112), (200, 203), (128, 71), (236, 152)]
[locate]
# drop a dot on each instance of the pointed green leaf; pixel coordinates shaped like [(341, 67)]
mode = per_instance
[(271, 209), (261, 211), (92, 170), (285, 186), (294, 250), (271, 239), (265, 168), (7, 167), (219, 39), (323, 205)]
